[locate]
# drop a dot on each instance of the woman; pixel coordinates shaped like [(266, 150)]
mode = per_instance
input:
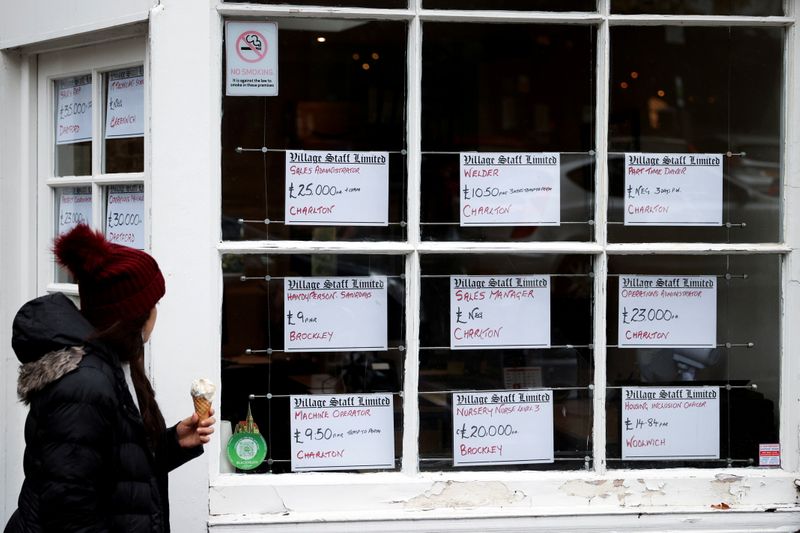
[(97, 450)]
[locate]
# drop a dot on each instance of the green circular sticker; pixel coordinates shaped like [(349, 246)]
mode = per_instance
[(246, 451)]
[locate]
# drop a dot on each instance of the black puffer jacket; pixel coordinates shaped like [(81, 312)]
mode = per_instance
[(87, 464)]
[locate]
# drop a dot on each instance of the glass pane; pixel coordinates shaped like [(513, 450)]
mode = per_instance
[(73, 126), (682, 90), (124, 215), (342, 88), (254, 356), (337, 3), (751, 8), (123, 93), (746, 356), (507, 88), (73, 206), (566, 366), (521, 5)]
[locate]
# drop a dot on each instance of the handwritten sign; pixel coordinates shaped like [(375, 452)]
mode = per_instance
[(125, 104), (670, 423), (251, 58), (74, 207), (337, 188), (499, 428), (510, 189), (667, 311), (335, 314), (125, 215), (496, 312), (342, 432), (673, 189), (74, 110)]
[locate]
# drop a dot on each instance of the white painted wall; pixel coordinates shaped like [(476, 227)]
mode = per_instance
[(17, 257), (185, 214), (33, 21)]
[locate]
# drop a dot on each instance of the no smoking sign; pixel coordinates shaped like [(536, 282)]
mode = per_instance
[(251, 56)]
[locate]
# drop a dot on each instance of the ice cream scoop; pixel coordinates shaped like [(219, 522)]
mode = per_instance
[(202, 393)]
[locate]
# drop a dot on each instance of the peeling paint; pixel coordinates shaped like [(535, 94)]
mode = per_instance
[(461, 495)]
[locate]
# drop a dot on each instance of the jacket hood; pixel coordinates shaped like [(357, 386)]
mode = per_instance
[(48, 324)]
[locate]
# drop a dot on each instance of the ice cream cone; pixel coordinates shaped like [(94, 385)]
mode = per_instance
[(202, 407)]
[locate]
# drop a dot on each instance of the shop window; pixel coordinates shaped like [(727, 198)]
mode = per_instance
[(491, 91), (263, 368), (690, 91), (91, 150), (689, 7), (341, 93), (692, 324)]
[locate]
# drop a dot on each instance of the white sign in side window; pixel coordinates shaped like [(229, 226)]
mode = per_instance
[(503, 428), (498, 312), (510, 189), (670, 423), (251, 58), (667, 312), (125, 104), (74, 109), (342, 432), (74, 207), (335, 314), (125, 215), (337, 188), (673, 189)]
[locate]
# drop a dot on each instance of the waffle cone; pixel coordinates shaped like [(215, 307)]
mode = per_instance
[(201, 407)]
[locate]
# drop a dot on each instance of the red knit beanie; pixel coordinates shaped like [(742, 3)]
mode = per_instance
[(114, 282)]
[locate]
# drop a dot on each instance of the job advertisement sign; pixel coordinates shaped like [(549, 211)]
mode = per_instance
[(342, 432), (74, 110), (673, 189), (670, 423), (337, 188), (251, 58), (667, 311), (501, 428), (497, 312), (510, 189), (335, 314)]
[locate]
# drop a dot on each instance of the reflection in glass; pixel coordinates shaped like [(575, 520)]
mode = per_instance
[(676, 89), (344, 93), (73, 206), (752, 8), (73, 126), (521, 5), (748, 311), (253, 360), (512, 88), (568, 363)]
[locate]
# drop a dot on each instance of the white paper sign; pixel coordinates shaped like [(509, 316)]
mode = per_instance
[(510, 189), (667, 311), (673, 189), (125, 216), (74, 110), (496, 312), (251, 57), (335, 314), (342, 432), (670, 423), (337, 188), (125, 107), (74, 207), (499, 428)]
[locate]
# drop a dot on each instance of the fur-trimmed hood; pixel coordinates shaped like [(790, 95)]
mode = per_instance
[(48, 337)]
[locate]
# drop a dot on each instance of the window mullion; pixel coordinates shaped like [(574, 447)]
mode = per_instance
[(601, 235)]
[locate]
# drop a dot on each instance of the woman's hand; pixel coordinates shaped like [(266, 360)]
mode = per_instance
[(191, 432)]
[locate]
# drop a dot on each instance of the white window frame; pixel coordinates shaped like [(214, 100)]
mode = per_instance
[(96, 60), (505, 499)]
